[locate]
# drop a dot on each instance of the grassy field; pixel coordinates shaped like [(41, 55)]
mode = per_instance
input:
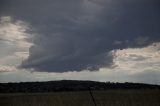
[(102, 98)]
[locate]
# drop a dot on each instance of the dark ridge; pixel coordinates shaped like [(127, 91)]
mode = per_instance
[(69, 85)]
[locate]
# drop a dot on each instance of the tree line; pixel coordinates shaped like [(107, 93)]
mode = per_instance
[(70, 85)]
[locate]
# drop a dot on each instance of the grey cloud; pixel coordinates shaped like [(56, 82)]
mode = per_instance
[(4, 40), (142, 40), (76, 35), (134, 57)]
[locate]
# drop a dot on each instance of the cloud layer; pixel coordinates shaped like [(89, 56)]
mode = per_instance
[(76, 35), (137, 60), (14, 43)]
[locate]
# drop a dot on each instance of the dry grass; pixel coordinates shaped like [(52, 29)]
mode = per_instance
[(103, 98)]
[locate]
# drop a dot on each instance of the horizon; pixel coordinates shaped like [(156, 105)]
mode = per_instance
[(77, 81)]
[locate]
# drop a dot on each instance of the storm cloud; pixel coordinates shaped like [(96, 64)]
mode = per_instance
[(76, 35)]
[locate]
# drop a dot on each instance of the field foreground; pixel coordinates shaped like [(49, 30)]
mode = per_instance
[(83, 98)]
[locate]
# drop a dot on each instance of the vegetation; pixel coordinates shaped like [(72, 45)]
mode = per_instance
[(83, 98), (76, 93), (69, 85)]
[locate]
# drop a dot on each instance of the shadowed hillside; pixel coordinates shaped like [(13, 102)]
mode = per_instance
[(69, 85)]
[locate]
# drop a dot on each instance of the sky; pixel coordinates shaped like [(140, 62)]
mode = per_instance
[(100, 40)]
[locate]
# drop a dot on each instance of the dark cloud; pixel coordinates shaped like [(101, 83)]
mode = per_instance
[(76, 35)]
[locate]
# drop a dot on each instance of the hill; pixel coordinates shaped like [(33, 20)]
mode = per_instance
[(69, 85)]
